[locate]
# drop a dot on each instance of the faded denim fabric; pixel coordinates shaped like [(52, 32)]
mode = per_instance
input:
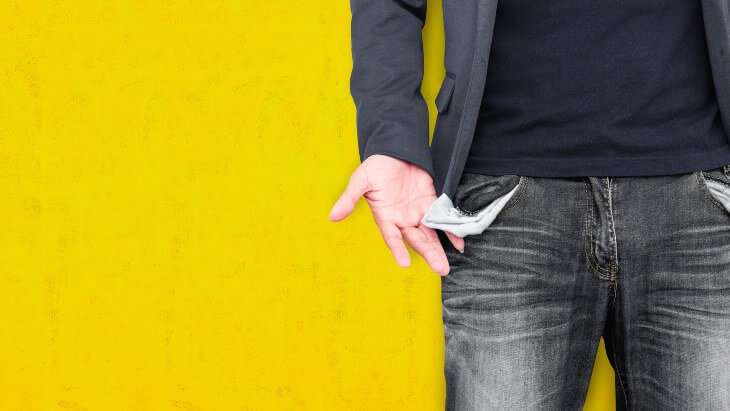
[(642, 261)]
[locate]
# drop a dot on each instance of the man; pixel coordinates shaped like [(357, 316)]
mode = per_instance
[(577, 186)]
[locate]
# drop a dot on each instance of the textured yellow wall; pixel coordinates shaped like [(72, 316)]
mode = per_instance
[(166, 170)]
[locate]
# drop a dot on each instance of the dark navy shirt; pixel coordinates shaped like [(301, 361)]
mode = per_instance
[(585, 87)]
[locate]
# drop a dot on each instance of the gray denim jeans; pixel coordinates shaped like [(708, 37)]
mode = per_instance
[(642, 261)]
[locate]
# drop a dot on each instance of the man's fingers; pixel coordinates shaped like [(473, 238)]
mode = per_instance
[(356, 187), (422, 242), (394, 241), (458, 242), (434, 239)]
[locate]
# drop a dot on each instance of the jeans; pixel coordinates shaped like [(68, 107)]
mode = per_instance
[(643, 262)]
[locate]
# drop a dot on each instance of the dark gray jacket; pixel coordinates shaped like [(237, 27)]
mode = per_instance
[(387, 52)]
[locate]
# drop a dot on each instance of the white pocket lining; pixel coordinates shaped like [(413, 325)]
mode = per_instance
[(442, 215), (720, 191)]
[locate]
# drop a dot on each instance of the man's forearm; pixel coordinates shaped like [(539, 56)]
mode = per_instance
[(387, 54)]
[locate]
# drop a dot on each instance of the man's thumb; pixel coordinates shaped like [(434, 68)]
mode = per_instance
[(356, 187)]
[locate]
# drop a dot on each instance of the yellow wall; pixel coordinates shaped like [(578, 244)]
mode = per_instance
[(166, 170)]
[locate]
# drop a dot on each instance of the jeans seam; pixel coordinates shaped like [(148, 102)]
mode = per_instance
[(603, 273), (614, 266), (618, 369), (615, 286), (518, 195)]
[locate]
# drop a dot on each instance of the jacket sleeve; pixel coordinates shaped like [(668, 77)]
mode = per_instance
[(385, 83)]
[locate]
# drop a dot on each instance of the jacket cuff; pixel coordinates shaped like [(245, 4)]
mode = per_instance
[(402, 151), (397, 128)]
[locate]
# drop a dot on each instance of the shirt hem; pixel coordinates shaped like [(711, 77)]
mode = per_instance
[(600, 166)]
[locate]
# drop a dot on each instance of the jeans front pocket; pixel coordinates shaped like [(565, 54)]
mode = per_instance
[(478, 199), (716, 184)]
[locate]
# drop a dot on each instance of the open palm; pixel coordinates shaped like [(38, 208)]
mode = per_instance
[(398, 194)]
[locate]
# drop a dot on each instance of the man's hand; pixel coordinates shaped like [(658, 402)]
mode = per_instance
[(399, 194)]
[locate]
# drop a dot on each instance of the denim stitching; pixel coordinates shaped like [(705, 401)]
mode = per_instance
[(593, 264), (613, 228), (612, 265), (467, 212), (518, 195)]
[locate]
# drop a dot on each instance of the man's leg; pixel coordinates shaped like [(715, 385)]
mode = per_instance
[(524, 306), (668, 334)]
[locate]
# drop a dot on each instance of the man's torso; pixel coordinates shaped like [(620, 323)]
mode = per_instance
[(589, 88)]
